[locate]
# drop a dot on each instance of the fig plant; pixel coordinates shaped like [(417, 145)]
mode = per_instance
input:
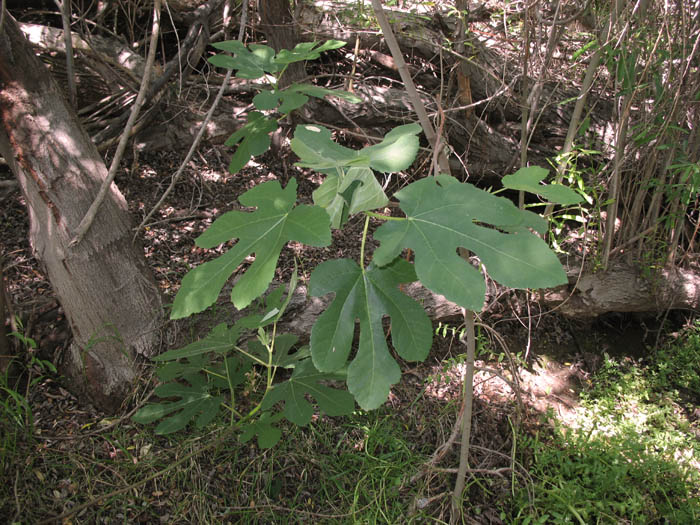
[(440, 216)]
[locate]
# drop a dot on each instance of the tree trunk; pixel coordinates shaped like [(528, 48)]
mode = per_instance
[(280, 29), (106, 289)]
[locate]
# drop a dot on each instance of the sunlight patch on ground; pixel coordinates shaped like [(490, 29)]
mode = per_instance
[(213, 176)]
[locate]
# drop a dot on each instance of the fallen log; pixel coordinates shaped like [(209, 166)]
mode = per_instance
[(623, 288), (113, 60)]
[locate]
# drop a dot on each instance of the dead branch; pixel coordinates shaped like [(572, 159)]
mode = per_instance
[(87, 221)]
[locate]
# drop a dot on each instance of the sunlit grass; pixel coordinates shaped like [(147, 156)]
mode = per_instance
[(631, 455)]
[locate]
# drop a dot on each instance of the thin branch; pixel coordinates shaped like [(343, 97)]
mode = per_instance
[(65, 7), (410, 87), (200, 133), (578, 109), (2, 14), (92, 211)]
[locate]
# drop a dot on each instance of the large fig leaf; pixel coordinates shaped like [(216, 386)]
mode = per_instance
[(263, 232), (306, 380), (367, 294), (443, 215), (528, 179)]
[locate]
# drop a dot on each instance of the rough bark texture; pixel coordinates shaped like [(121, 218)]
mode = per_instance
[(107, 291), (112, 59), (622, 288), (277, 23)]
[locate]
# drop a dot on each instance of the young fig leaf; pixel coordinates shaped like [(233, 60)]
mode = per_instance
[(367, 294), (443, 215), (249, 62), (282, 355), (268, 434), (317, 150), (195, 403), (220, 340), (528, 179), (263, 232), (252, 138), (306, 380), (349, 191), (295, 96), (321, 92), (396, 151), (306, 51)]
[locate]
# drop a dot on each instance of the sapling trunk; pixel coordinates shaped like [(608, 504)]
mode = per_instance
[(467, 399)]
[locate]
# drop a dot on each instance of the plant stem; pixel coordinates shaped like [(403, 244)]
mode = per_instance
[(468, 396), (362, 246), (410, 87), (384, 217), (90, 215)]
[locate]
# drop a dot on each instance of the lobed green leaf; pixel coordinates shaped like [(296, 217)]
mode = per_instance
[(396, 151), (263, 232), (306, 380), (529, 178), (253, 138), (249, 62), (268, 434), (349, 191), (443, 215), (306, 51), (317, 150), (195, 403), (368, 295), (350, 186)]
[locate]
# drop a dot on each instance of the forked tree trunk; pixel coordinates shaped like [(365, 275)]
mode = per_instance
[(106, 289)]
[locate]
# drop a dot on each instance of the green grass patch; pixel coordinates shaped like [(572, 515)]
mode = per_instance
[(632, 456)]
